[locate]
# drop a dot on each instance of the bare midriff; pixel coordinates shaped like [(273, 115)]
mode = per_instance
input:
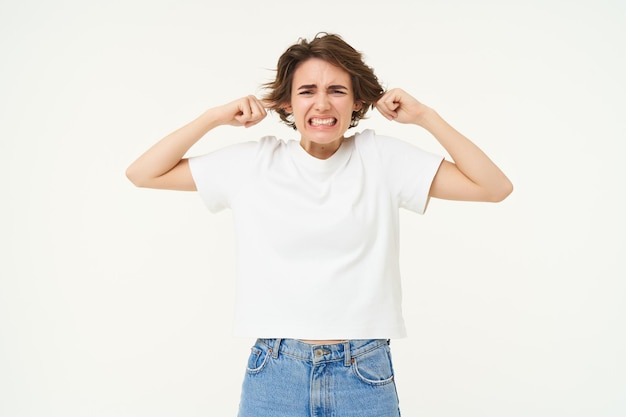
[(321, 342)]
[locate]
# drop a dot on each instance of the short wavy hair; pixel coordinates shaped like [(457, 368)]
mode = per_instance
[(334, 50)]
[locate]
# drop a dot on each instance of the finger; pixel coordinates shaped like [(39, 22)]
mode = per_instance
[(387, 109), (257, 111), (390, 100), (257, 108), (244, 111), (256, 118), (390, 95)]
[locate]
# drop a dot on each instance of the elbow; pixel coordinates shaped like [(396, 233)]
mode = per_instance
[(134, 177), (503, 191)]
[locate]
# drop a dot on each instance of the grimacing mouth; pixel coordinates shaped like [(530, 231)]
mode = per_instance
[(325, 121)]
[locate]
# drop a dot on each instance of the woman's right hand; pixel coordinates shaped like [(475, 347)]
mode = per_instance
[(246, 111)]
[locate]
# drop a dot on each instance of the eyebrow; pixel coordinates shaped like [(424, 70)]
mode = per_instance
[(330, 87)]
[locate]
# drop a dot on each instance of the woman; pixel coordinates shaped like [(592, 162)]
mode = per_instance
[(317, 225)]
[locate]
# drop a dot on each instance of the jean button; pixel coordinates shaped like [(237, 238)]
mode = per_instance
[(319, 352)]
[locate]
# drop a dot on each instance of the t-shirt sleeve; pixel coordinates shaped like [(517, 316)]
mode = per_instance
[(409, 171), (219, 175)]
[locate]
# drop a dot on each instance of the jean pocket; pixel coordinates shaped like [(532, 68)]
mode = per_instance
[(374, 367), (258, 359)]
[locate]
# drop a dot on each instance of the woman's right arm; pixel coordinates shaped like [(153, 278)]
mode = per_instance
[(163, 166)]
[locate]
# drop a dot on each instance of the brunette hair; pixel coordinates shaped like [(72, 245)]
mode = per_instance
[(334, 50)]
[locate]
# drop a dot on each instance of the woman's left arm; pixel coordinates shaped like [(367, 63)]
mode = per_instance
[(472, 176)]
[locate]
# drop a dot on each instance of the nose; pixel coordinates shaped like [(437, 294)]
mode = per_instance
[(321, 101)]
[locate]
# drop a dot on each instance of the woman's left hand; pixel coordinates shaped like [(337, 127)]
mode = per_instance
[(396, 104)]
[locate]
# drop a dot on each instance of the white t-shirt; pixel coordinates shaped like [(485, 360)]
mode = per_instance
[(317, 240)]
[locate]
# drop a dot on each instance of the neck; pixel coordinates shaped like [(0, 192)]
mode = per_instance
[(321, 151)]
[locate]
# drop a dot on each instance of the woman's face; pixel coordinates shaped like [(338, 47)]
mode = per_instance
[(322, 102)]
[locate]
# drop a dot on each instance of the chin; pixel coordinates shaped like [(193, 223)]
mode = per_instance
[(327, 133), (325, 139)]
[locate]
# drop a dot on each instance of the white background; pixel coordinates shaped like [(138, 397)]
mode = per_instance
[(117, 301)]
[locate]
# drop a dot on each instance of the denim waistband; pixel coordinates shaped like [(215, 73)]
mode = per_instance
[(343, 351)]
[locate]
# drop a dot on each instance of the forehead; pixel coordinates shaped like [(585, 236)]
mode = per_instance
[(319, 72)]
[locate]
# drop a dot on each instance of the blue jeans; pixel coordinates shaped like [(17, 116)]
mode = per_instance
[(289, 378)]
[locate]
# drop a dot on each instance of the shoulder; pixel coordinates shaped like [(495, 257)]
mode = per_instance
[(369, 136), (247, 149), (381, 143), (393, 152), (270, 142)]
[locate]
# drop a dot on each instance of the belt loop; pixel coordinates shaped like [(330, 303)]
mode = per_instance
[(276, 347), (346, 353)]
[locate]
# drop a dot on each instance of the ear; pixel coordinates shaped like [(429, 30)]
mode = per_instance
[(358, 105), (287, 108)]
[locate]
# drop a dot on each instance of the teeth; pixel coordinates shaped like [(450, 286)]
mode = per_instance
[(325, 122)]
